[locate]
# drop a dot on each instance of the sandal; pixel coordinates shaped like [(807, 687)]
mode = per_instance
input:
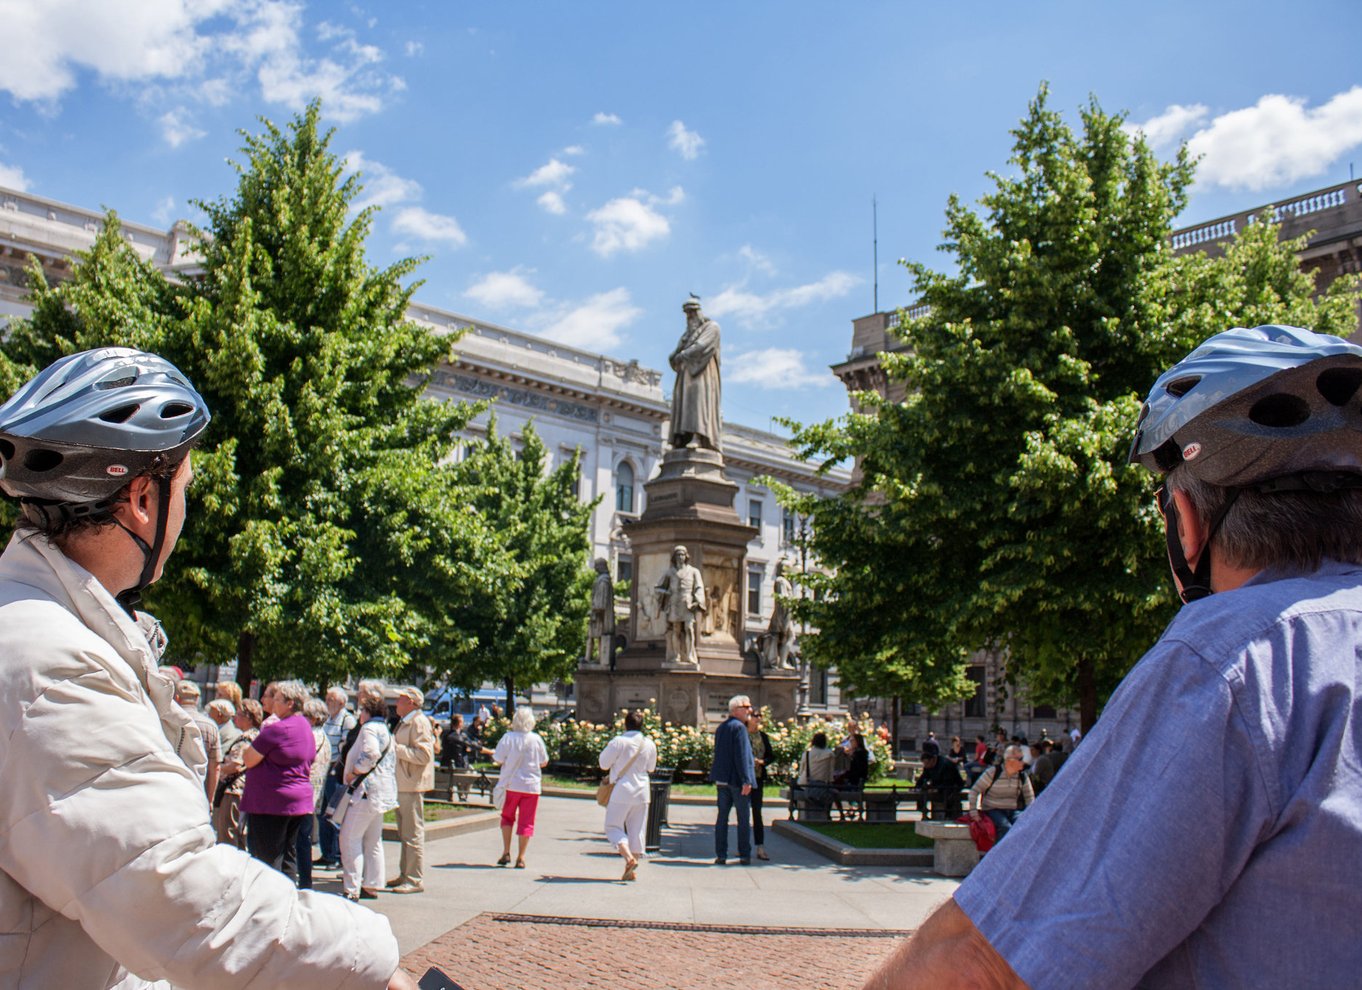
[(520, 864), (630, 869), (505, 858)]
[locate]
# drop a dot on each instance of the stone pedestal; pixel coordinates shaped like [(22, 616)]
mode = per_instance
[(689, 504)]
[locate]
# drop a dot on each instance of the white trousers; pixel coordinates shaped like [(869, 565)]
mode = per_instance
[(624, 820), (361, 846)]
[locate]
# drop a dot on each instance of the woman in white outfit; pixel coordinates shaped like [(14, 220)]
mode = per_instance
[(361, 835), (630, 758)]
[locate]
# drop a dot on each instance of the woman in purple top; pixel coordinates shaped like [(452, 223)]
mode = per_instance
[(278, 794)]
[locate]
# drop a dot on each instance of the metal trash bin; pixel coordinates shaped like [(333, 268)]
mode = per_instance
[(659, 794)]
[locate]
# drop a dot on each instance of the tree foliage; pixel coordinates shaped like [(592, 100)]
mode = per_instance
[(997, 509)]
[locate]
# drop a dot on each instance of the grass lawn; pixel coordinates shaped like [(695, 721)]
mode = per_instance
[(872, 835), (770, 793), (436, 811)]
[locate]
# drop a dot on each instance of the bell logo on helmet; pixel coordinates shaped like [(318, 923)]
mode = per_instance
[(116, 470), (1190, 451)]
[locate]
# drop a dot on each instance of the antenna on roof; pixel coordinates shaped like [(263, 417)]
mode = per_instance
[(875, 235)]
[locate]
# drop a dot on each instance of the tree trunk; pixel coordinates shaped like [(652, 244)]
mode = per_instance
[(510, 696), (245, 666), (1087, 696)]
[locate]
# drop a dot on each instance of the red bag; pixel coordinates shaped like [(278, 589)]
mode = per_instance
[(981, 830)]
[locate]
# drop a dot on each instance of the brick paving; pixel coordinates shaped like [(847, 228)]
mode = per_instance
[(495, 951)]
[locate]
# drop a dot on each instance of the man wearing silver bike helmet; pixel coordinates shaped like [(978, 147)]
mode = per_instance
[(1223, 783), (109, 873)]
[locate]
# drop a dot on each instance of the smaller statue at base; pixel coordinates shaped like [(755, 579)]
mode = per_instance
[(681, 599), (600, 634), (778, 646)]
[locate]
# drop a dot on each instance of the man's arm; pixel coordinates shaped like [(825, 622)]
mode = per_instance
[(947, 951)]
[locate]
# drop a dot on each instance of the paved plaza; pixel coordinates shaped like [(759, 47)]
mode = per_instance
[(797, 920)]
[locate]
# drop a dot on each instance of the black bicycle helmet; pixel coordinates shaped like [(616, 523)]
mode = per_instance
[(93, 421), (1272, 408)]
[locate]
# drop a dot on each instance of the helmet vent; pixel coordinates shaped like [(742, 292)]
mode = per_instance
[(1339, 385), (173, 410), (1280, 411), (1177, 389), (40, 459), (116, 383), (120, 415)]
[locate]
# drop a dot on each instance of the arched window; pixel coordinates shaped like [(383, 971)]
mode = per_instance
[(624, 487)]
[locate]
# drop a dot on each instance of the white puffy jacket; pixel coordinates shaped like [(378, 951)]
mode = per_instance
[(109, 874)]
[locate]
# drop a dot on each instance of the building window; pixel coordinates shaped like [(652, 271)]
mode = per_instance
[(818, 687), (754, 513), (624, 570), (974, 704), (624, 487), (754, 576), (1044, 711), (789, 524)]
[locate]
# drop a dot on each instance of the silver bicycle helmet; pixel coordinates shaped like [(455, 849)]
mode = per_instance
[(1252, 405), (91, 422)]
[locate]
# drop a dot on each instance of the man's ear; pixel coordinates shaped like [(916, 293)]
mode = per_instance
[(141, 499), (1191, 530)]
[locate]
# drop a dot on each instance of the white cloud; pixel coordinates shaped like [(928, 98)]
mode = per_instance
[(1277, 141), (12, 177), (552, 202), (775, 368), (737, 301), (1168, 128), (603, 119), (626, 224), (165, 211), (382, 186), (574, 149), (177, 127), (505, 290), (553, 173), (205, 49), (414, 49), (756, 259), (592, 325), (420, 223), (688, 143)]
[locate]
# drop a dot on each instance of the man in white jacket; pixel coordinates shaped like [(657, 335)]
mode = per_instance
[(109, 873)]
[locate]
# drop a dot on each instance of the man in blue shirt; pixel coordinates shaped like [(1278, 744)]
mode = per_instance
[(1221, 785), (735, 775)]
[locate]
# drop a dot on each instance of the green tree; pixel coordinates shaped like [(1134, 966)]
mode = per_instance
[(326, 540), (997, 509), (531, 624)]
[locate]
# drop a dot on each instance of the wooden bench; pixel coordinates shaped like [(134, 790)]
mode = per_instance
[(871, 805), (953, 851)]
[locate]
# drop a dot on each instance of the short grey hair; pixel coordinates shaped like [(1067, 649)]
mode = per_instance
[(294, 692), (222, 706), (315, 711), (186, 691), (1290, 529), (371, 688), (737, 701), (1013, 751), (337, 692), (523, 719)]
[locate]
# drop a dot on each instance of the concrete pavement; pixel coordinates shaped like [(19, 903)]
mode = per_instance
[(572, 873)]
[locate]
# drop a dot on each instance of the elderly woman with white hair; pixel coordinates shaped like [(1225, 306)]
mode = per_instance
[(371, 769), (522, 756), (278, 795)]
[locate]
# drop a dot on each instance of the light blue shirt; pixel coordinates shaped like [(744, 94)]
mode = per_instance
[(1208, 832)]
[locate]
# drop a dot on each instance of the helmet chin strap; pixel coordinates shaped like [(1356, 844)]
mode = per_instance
[(131, 598), (1193, 584)]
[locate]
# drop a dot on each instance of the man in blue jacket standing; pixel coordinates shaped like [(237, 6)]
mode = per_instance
[(734, 774)]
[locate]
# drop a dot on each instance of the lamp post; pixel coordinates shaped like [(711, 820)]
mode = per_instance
[(802, 709)]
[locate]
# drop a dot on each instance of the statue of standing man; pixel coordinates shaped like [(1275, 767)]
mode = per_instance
[(601, 629), (681, 595), (780, 633), (695, 397)]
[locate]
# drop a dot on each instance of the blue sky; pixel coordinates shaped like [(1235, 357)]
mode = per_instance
[(576, 169)]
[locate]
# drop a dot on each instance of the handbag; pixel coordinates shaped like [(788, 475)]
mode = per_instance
[(220, 791), (341, 800), (605, 788)]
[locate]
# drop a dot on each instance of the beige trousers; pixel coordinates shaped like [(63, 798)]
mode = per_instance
[(411, 832)]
